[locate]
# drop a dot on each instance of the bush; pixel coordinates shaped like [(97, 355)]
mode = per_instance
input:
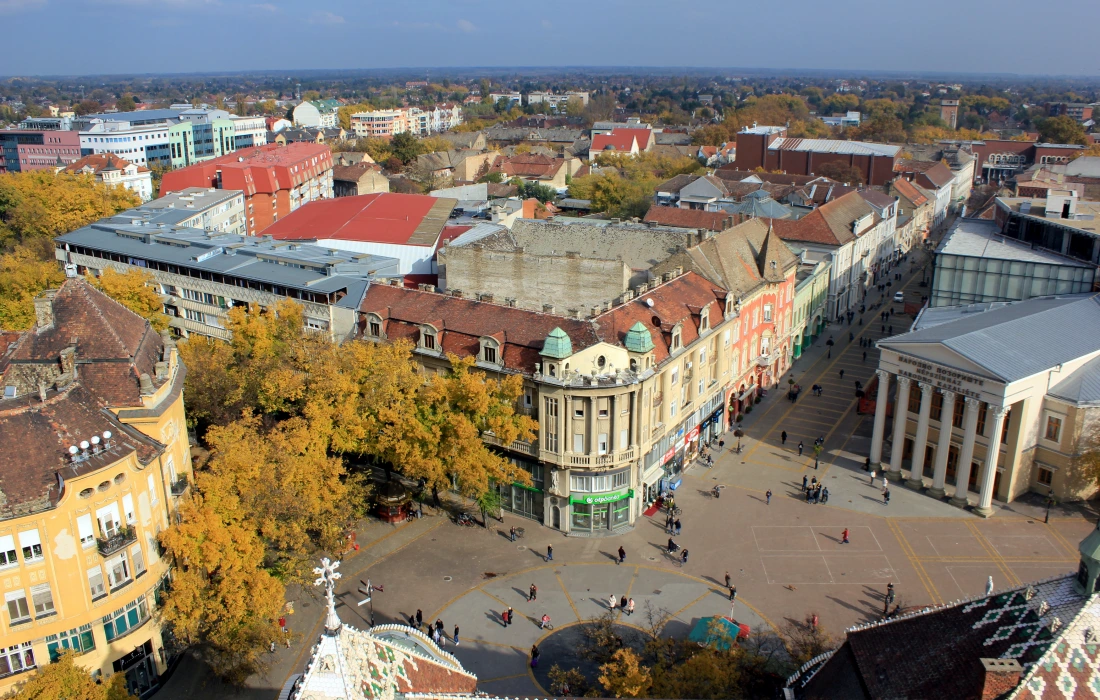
[(740, 417), (748, 409), (756, 400)]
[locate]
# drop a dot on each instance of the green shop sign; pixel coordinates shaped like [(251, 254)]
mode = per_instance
[(594, 498)]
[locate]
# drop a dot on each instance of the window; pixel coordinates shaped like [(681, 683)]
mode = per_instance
[(123, 620), (601, 444), (603, 410), (937, 405), (489, 354), (18, 610), (1046, 476), (128, 508), (551, 432), (598, 483), (118, 571), (79, 639), (767, 313), (427, 338), (578, 443), (676, 340), (578, 409), (138, 559), (675, 375), (109, 520), (16, 658), (7, 551), (1054, 428), (958, 412), (914, 398), (704, 319), (95, 582), (726, 338), (31, 545), (152, 490), (84, 529), (42, 599)]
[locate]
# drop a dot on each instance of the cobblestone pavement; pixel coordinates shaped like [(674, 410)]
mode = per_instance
[(787, 558)]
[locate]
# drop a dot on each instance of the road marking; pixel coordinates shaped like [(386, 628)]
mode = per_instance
[(1062, 540), (907, 550), (561, 583), (997, 559), (704, 595)]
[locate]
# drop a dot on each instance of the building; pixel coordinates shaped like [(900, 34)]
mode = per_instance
[(379, 123), (621, 141), (688, 218), (319, 114), (935, 177), (914, 213), (769, 148), (95, 458), (23, 150), (1078, 111), (667, 193), (408, 227), (249, 131), (842, 120), (623, 399), (140, 137), (1060, 223), (949, 113), (543, 170), (974, 263), (993, 369), (811, 298), (112, 170), (556, 103), (511, 98), (202, 274), (1030, 642), (209, 209), (276, 180), (858, 242), (361, 178), (1000, 160)]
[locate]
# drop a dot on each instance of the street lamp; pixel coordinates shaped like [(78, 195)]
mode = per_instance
[(368, 590), (1050, 502)]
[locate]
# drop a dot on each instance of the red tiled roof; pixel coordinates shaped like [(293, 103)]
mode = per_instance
[(829, 224), (615, 140), (936, 173), (687, 218), (266, 169), (907, 190), (99, 161), (528, 165), (384, 217)]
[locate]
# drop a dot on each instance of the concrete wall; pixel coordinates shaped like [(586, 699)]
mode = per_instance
[(532, 280)]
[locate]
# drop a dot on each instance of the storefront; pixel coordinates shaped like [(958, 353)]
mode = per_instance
[(713, 426), (600, 511), (526, 501), (140, 668)]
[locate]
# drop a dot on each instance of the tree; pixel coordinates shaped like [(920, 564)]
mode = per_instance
[(1093, 151), (841, 172), (86, 107), (42, 204), (571, 683), (406, 147), (838, 103), (624, 676), (489, 503), (1061, 130), (24, 274), (344, 113), (64, 679), (805, 640), (221, 596), (126, 103), (136, 290), (574, 106)]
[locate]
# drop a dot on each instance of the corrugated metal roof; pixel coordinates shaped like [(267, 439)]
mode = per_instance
[(858, 148), (1014, 340)]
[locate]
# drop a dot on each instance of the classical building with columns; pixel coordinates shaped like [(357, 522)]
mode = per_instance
[(1023, 376)]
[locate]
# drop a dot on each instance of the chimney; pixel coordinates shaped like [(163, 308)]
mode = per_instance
[(1001, 676), (146, 385), (548, 308), (43, 309)]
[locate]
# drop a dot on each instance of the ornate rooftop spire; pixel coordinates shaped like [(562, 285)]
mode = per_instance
[(326, 576)]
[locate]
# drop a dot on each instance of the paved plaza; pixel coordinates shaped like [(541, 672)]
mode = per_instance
[(786, 559)]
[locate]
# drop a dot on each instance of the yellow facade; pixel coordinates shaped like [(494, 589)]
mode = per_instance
[(101, 589)]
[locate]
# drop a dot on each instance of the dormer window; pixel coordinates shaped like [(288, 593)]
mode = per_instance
[(490, 351), (428, 339), (677, 340), (729, 304), (374, 326)]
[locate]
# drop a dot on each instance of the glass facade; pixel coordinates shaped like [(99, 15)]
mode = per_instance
[(527, 501), (601, 516), (967, 280)]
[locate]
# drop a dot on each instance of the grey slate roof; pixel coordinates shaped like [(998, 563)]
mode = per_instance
[(760, 207), (1014, 340)]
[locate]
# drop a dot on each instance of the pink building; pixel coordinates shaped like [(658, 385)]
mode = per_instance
[(22, 149)]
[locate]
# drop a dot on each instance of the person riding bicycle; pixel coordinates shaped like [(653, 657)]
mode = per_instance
[(717, 491), (544, 621), (672, 546)]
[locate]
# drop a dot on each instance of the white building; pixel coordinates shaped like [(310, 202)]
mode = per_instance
[(318, 114), (249, 131), (112, 170), (514, 98), (194, 207), (140, 137)]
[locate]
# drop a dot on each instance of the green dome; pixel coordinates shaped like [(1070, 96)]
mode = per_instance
[(1090, 546), (638, 338), (557, 345)]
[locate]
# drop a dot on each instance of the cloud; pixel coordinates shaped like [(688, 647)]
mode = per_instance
[(12, 6), (265, 7), (329, 18), (465, 25)]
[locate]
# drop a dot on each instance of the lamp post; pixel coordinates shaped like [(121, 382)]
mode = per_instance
[(367, 589), (1050, 502)]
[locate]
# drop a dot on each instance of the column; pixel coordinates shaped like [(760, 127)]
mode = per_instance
[(916, 474), (939, 472), (966, 456), (880, 416), (901, 417), (985, 498)]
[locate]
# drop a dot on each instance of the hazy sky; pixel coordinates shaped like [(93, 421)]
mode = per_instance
[(174, 36)]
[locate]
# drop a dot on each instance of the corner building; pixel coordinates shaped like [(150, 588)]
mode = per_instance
[(623, 398), (93, 459)]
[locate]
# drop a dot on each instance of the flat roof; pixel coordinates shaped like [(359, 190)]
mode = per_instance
[(385, 217), (858, 148), (978, 238), (1085, 219), (146, 115)]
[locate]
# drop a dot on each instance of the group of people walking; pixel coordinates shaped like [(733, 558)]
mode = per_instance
[(435, 630), (814, 490)]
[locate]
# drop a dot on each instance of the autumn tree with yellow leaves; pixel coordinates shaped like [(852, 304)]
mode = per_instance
[(136, 290), (64, 678)]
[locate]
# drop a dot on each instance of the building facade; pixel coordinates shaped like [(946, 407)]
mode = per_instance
[(22, 150), (319, 114), (111, 170), (986, 403), (769, 148), (87, 490)]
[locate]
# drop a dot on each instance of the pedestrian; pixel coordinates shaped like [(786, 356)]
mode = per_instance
[(989, 586), (282, 624), (864, 355), (286, 637), (511, 615), (813, 621), (799, 448), (825, 495), (728, 579), (813, 483), (512, 533), (420, 510), (721, 444), (844, 536), (549, 553), (622, 554), (768, 498), (532, 593), (783, 437), (456, 635), (684, 558), (622, 604), (534, 656), (733, 593), (439, 624), (677, 525), (873, 472), (885, 496), (809, 496), (612, 601), (851, 336), (419, 618), (842, 374), (884, 328), (272, 649), (630, 607), (412, 620), (817, 494), (891, 330)]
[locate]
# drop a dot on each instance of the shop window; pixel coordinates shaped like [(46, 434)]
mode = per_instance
[(1053, 431), (1046, 476), (79, 639), (16, 659)]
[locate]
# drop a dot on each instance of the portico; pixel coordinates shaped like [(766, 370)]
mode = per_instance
[(977, 400)]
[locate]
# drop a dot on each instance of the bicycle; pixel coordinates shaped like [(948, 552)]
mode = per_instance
[(677, 510)]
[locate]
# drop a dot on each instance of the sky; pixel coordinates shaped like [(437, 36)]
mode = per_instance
[(83, 37)]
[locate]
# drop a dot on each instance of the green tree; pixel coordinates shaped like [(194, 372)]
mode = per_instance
[(1061, 130), (406, 147), (841, 172), (126, 103)]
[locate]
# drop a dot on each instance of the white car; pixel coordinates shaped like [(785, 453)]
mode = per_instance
[(899, 297)]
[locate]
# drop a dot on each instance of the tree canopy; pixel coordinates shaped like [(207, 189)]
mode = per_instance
[(64, 679), (42, 204)]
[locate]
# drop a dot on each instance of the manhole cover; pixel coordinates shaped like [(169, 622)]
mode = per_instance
[(521, 547), (653, 558), (447, 578), (305, 604)]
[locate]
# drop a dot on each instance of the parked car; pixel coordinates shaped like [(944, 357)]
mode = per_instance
[(899, 297)]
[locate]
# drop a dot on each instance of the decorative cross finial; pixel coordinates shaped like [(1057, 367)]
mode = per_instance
[(326, 576)]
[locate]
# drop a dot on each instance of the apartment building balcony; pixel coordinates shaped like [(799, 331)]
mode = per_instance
[(608, 459), (521, 446), (179, 486), (109, 545)]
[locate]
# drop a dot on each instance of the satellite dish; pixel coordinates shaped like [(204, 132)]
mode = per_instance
[(83, 444), (74, 450), (95, 439), (106, 434), (649, 303)]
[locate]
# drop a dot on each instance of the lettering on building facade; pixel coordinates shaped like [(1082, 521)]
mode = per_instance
[(941, 377)]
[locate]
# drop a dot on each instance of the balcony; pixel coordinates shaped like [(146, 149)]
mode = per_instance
[(110, 545), (520, 446), (179, 486), (604, 460)]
